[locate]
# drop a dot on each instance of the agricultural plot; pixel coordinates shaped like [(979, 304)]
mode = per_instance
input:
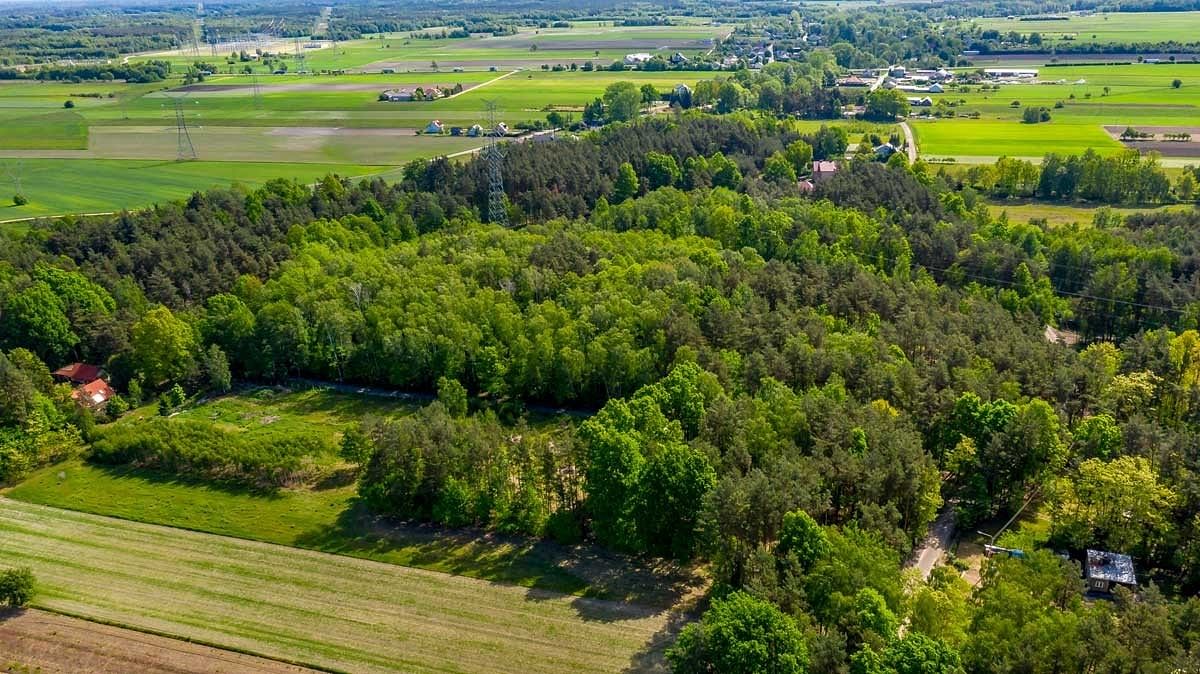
[(308, 607), (1092, 98), (37, 641), (60, 186), (1062, 214), (1105, 28)]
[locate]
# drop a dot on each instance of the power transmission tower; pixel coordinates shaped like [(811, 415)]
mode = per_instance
[(257, 90), (13, 171), (495, 165), (186, 151)]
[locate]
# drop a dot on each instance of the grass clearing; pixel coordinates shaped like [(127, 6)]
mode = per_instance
[(328, 610), (1064, 214)]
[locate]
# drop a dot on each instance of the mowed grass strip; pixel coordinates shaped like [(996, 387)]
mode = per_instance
[(330, 611)]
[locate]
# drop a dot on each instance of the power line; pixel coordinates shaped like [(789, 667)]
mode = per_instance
[(497, 212)]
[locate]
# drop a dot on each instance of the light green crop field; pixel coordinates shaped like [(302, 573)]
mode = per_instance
[(583, 41), (1137, 94), (331, 611), (1063, 214), (1106, 28), (61, 186)]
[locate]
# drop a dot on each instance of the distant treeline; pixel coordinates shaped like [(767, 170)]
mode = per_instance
[(139, 73)]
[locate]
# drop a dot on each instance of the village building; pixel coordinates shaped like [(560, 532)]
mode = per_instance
[(1105, 571), (77, 373), (93, 394), (636, 59), (434, 127), (823, 170)]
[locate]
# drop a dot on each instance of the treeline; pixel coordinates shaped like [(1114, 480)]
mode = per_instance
[(1125, 178), (39, 422), (138, 73)]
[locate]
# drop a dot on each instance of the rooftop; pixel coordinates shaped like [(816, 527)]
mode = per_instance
[(80, 373), (1111, 566)]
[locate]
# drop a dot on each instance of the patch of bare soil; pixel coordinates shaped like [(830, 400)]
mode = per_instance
[(1167, 148), (35, 641)]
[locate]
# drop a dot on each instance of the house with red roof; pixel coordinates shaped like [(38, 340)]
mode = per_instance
[(78, 373), (93, 394)]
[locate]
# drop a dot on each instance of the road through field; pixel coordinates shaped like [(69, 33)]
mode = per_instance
[(311, 608)]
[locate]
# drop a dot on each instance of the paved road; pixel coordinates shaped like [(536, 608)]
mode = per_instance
[(933, 549), (910, 141)]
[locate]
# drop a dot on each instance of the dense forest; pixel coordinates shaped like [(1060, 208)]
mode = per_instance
[(787, 385)]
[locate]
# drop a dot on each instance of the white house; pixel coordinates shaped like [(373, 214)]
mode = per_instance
[(636, 59)]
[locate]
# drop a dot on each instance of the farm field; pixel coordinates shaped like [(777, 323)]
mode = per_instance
[(308, 607), (61, 186), (38, 641), (599, 42), (1062, 214), (301, 127), (1106, 28), (1140, 94)]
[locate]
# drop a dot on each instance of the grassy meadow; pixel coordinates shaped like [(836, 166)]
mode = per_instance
[(331, 611), (58, 186), (1137, 94), (1105, 28)]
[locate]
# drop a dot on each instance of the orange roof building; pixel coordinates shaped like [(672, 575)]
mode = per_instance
[(93, 394)]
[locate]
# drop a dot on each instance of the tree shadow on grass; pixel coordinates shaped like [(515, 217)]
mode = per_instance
[(161, 477), (652, 656), (607, 587)]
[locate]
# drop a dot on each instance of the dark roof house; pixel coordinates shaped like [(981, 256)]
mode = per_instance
[(1104, 570), (78, 373)]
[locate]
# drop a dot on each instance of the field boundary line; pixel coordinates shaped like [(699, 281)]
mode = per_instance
[(189, 640), (582, 594), (482, 84)]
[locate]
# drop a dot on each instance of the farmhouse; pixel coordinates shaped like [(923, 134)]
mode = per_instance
[(823, 170), (434, 127), (636, 59), (475, 131), (93, 394), (1009, 73), (852, 81), (77, 373), (1106, 570), (886, 150), (501, 129), (682, 91), (922, 102), (936, 88)]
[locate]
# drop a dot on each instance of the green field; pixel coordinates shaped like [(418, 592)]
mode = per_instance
[(1062, 214), (1139, 94), (529, 48), (58, 186), (331, 611), (1106, 28)]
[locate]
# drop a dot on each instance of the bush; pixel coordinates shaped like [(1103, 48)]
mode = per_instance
[(69, 104), (20, 200), (1176, 83), (16, 587), (199, 448)]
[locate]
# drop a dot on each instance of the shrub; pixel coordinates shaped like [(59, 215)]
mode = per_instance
[(69, 104), (16, 587), (199, 448), (1176, 83), (20, 200)]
